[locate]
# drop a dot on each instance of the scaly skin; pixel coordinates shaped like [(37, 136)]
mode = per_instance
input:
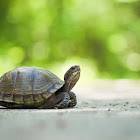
[(58, 100), (73, 100)]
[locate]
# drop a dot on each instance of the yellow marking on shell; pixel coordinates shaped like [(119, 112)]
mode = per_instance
[(46, 95), (8, 98), (1, 96), (18, 99), (28, 99), (38, 98)]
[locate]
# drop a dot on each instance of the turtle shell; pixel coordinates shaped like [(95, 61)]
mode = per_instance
[(28, 85)]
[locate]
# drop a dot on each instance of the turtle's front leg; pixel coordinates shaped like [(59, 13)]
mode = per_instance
[(64, 96), (58, 100), (73, 100)]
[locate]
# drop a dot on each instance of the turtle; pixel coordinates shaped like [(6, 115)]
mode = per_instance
[(38, 88)]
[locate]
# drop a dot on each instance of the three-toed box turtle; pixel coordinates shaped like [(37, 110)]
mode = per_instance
[(34, 87)]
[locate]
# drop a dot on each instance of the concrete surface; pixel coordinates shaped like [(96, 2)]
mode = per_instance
[(106, 110)]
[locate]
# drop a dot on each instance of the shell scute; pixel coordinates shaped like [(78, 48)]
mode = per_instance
[(18, 98), (8, 97), (28, 99)]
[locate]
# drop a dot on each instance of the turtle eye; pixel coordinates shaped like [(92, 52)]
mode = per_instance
[(72, 68)]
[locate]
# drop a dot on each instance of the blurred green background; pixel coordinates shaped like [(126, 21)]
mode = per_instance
[(102, 36)]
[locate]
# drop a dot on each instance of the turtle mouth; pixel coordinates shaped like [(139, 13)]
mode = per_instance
[(75, 74)]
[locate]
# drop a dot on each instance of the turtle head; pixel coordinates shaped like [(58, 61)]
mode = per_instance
[(71, 77)]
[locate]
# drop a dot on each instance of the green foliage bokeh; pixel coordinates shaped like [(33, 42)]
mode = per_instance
[(100, 35)]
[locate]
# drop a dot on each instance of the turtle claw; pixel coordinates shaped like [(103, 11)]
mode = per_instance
[(56, 106)]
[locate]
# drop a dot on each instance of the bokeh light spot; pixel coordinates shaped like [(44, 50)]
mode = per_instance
[(39, 51), (127, 1), (117, 43), (16, 54), (133, 62)]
